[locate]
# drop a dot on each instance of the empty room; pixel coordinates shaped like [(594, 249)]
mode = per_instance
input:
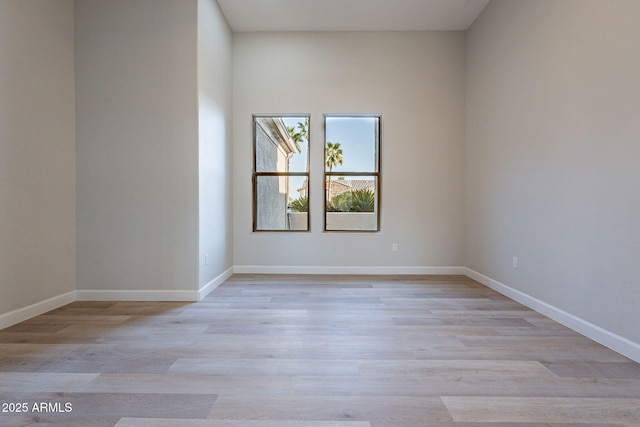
[(324, 213)]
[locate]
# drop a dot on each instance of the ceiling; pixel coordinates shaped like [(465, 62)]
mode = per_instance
[(351, 15)]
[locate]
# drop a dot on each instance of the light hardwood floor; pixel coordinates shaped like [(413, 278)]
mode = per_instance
[(318, 351)]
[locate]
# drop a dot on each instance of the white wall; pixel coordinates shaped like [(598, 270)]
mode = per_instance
[(137, 146), (416, 80), (37, 155), (553, 155), (215, 143)]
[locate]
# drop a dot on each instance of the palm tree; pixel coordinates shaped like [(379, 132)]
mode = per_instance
[(301, 135), (333, 157)]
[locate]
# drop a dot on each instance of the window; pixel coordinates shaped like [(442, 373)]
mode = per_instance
[(352, 172), (280, 173)]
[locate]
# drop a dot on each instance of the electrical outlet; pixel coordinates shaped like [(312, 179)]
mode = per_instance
[(394, 247), (515, 262)]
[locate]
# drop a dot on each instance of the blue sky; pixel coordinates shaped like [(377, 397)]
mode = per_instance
[(299, 160), (356, 136)]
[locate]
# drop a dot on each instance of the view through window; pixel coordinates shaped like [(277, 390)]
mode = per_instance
[(281, 173), (352, 172)]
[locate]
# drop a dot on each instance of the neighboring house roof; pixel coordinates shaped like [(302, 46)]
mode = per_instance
[(362, 184), (339, 186)]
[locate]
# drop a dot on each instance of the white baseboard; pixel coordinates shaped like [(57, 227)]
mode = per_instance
[(26, 313), (136, 295), (284, 269), (209, 287), (607, 338)]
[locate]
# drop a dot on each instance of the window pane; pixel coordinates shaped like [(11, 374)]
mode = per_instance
[(351, 203), (352, 172), (351, 144), (281, 144), (281, 203), (281, 173)]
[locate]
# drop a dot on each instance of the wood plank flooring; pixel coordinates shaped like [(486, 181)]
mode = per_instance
[(317, 351)]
